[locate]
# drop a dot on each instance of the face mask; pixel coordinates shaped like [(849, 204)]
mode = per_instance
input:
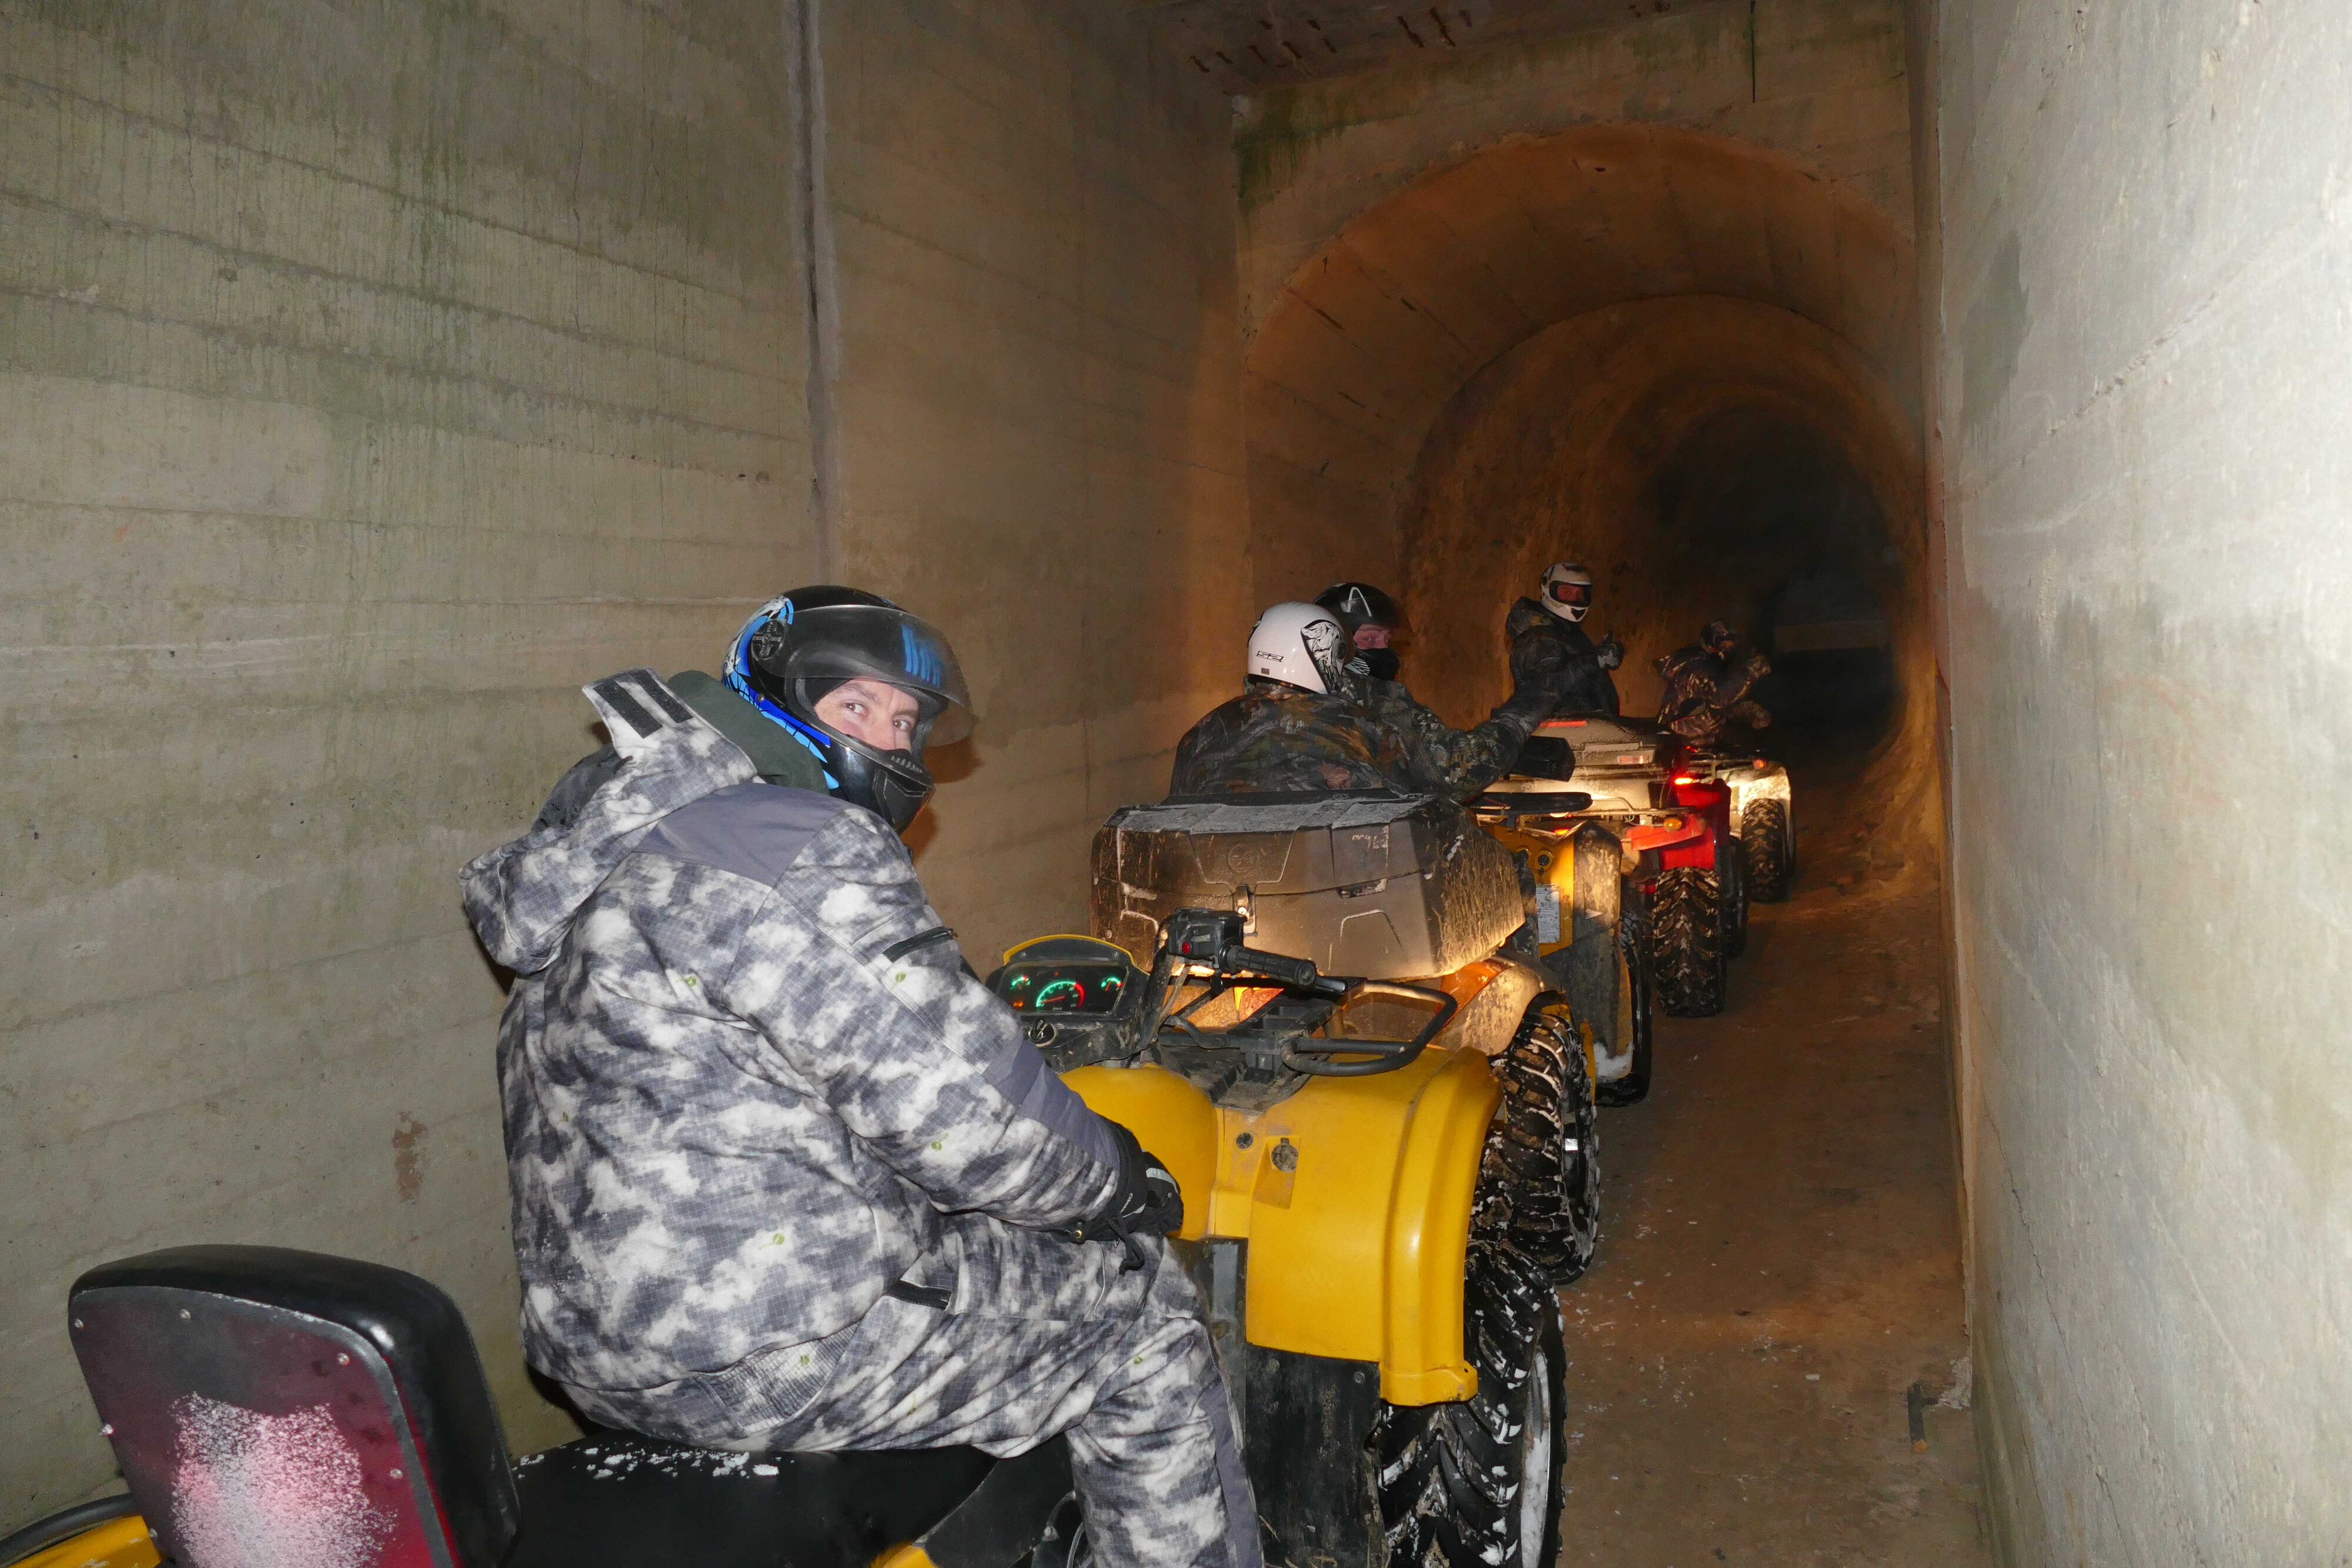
[(1382, 664)]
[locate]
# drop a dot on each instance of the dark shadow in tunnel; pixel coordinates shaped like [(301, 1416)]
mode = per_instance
[(1772, 529)]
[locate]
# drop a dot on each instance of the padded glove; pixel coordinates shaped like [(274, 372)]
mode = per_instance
[(1612, 652), (1147, 1201)]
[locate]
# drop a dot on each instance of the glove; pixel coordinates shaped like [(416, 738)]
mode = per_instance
[(1612, 652), (1147, 1201)]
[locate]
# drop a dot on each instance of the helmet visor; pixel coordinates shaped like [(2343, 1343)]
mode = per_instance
[(876, 643), (1579, 593)]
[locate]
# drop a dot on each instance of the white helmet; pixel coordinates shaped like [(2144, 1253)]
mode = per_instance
[(1567, 590), (1300, 644)]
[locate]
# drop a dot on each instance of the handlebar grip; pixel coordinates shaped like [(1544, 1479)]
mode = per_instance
[(1299, 972)]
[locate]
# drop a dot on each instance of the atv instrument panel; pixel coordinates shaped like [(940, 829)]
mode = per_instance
[(1076, 997)]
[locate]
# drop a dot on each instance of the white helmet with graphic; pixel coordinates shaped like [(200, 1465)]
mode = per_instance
[(1300, 644), (1567, 590)]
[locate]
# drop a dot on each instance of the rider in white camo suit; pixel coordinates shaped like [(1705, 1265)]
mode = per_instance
[(785, 1175)]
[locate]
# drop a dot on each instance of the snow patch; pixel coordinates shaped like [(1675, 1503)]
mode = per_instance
[(250, 1491)]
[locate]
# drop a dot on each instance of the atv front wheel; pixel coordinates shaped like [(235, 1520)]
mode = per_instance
[(1687, 962), (1634, 999), (1764, 845), (1475, 1483), (1539, 1192)]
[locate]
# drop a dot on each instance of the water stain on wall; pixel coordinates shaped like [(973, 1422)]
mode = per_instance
[(408, 1156)]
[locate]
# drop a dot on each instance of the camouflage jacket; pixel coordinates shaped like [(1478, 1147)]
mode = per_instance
[(1280, 738), (743, 1065), (1704, 693), (1463, 761), (1550, 653)]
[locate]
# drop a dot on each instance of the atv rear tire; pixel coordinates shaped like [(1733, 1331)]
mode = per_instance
[(1635, 1000), (1764, 845), (1686, 961), (1539, 1180), (1475, 1483)]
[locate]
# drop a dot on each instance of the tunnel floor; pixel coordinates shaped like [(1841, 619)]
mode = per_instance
[(1781, 1260)]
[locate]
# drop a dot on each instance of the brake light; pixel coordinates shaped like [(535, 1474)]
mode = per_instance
[(1686, 778)]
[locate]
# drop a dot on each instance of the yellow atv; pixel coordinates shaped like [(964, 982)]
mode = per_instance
[(1383, 1127), (1385, 1177)]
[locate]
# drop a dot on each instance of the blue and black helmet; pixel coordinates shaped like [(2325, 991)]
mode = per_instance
[(800, 645)]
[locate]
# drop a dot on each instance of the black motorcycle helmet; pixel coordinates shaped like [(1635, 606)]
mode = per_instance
[(800, 645), (1717, 637), (1358, 605)]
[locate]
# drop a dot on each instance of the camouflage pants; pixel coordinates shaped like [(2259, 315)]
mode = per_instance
[(1039, 1335)]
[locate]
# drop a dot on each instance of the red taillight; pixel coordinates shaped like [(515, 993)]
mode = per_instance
[(1686, 778)]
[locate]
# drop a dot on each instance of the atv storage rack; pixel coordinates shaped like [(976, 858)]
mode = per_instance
[(1364, 882)]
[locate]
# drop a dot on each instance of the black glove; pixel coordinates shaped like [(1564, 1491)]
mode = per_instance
[(1147, 1201), (1612, 652)]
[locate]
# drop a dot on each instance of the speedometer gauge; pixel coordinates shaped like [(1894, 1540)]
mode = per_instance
[(1060, 996)]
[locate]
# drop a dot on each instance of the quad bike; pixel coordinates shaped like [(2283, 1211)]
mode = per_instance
[(1685, 895), (1385, 1177), (1762, 816), (1585, 924)]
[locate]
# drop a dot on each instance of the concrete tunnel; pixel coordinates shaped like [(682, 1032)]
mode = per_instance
[(1677, 358), (374, 376)]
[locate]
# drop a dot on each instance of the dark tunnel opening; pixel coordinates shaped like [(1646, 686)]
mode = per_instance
[(1774, 531)]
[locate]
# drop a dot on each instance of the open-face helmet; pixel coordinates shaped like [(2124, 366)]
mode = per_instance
[(799, 646), (1567, 590), (1300, 644), (1359, 605)]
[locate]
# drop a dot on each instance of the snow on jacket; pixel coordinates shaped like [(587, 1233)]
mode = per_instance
[(744, 1067)]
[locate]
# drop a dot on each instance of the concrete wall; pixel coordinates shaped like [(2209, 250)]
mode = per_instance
[(2145, 252), (373, 376), (1037, 385)]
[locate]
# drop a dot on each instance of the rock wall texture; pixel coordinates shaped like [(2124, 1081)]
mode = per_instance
[(2144, 251), (370, 377)]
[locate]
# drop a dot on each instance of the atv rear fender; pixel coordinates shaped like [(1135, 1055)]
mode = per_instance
[(1354, 1195)]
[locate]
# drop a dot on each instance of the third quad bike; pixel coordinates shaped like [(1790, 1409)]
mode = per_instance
[(1762, 815), (1383, 1127), (1685, 887)]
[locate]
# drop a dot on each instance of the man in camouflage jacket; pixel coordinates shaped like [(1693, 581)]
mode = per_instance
[(1277, 736), (1551, 654), (786, 1177), (1312, 719), (1706, 692), (1462, 761)]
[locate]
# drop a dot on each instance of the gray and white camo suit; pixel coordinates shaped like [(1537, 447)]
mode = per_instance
[(751, 1089)]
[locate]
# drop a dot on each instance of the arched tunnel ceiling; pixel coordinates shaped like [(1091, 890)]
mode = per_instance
[(1372, 339), (1697, 452)]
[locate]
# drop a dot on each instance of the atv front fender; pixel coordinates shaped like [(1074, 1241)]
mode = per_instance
[(1354, 1195)]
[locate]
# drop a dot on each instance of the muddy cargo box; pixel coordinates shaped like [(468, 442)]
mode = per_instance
[(1366, 884)]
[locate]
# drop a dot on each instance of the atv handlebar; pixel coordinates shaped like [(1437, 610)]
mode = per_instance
[(1209, 939), (1387, 1055)]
